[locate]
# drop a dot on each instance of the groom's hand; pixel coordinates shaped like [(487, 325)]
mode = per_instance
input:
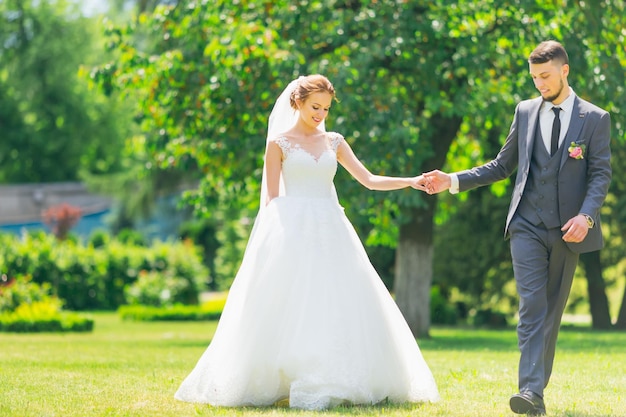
[(438, 181), (575, 229)]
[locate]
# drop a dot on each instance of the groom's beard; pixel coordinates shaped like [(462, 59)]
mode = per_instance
[(558, 93)]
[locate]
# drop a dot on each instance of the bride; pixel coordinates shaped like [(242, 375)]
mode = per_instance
[(308, 319)]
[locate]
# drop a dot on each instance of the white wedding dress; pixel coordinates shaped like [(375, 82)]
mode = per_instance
[(307, 317)]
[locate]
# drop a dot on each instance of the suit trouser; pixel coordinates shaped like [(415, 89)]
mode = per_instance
[(544, 268)]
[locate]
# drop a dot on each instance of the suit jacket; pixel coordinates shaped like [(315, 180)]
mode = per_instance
[(583, 183)]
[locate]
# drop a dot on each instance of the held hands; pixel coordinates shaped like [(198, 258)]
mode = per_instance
[(432, 182), (436, 181)]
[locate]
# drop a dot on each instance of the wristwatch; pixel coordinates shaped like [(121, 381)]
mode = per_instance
[(590, 222)]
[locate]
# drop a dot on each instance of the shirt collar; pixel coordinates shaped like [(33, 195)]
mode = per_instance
[(567, 105)]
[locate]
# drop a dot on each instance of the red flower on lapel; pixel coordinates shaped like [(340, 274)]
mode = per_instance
[(576, 151)]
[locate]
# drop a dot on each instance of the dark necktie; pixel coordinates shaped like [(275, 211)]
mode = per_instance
[(556, 131)]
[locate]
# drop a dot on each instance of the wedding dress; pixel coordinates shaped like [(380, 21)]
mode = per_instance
[(307, 318)]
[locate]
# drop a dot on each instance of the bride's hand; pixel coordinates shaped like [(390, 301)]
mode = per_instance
[(420, 183)]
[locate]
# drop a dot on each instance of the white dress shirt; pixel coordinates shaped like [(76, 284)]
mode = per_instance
[(546, 117)]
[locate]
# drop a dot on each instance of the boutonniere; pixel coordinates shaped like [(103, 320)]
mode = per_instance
[(576, 151)]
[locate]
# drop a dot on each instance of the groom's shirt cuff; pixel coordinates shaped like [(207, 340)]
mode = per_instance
[(454, 184)]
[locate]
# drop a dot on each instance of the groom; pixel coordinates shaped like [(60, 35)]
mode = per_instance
[(559, 144)]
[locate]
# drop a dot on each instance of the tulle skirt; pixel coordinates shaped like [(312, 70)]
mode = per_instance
[(309, 320)]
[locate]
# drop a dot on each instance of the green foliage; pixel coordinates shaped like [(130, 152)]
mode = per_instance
[(157, 289), (43, 316), (87, 277), (48, 113), (28, 307), (489, 318), (592, 34), (99, 238), (422, 85), (210, 310), (441, 310), (402, 70), (480, 269), (131, 237), (19, 290), (203, 233)]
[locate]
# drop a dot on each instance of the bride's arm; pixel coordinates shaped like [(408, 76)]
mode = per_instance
[(355, 167), (273, 165)]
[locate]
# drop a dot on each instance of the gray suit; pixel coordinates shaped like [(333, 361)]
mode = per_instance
[(543, 263)]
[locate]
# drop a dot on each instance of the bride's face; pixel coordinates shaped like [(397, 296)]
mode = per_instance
[(315, 108)]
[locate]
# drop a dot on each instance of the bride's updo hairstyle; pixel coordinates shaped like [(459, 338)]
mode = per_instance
[(308, 85)]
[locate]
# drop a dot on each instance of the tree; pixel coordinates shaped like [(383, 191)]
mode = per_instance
[(52, 125), (61, 218), (413, 78), (592, 36), (599, 59)]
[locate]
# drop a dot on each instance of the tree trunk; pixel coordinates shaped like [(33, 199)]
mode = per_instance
[(414, 253), (414, 270), (598, 301), (621, 317)]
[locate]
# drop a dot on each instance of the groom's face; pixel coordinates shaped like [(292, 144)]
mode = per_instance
[(550, 79)]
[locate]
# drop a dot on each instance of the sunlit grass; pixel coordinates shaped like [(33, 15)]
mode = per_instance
[(133, 369)]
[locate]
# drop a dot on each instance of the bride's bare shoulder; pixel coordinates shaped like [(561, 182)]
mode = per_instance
[(288, 135)]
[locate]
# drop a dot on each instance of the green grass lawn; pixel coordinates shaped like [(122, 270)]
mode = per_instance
[(133, 369)]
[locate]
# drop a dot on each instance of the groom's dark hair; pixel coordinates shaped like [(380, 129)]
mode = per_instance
[(549, 51)]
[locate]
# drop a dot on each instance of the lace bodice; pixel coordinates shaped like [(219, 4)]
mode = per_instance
[(308, 175)]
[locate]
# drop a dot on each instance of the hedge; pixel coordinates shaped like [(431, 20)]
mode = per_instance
[(88, 277)]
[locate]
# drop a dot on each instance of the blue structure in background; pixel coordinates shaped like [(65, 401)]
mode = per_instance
[(163, 224), (22, 205), (85, 226)]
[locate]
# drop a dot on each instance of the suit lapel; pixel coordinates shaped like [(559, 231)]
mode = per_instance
[(533, 125), (575, 127)]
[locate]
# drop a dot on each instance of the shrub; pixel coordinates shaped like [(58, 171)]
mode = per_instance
[(210, 310), (28, 307), (131, 237), (158, 289), (61, 219), (489, 318), (20, 290), (43, 316), (88, 277), (99, 238), (441, 310)]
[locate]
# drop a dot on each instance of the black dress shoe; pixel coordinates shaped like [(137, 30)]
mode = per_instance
[(529, 403)]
